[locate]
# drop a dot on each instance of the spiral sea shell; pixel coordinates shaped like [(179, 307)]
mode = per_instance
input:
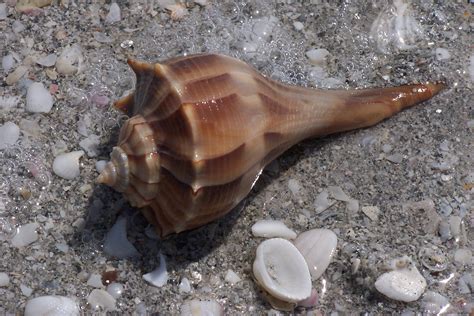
[(203, 127)]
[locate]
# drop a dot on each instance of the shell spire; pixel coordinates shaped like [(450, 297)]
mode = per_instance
[(202, 128)]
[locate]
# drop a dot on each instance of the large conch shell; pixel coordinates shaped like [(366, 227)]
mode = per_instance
[(203, 127)]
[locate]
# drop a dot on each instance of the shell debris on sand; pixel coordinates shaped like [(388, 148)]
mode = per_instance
[(52, 306), (268, 228), (281, 270), (67, 165), (405, 283), (201, 308)]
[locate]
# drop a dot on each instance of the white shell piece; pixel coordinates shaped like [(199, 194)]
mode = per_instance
[(404, 284), (159, 276), (116, 243), (25, 235), (317, 247), (38, 98), (70, 61), (282, 271), (201, 308), (101, 299), (51, 306), (269, 228), (231, 277), (10, 132), (67, 165), (184, 286), (115, 289)]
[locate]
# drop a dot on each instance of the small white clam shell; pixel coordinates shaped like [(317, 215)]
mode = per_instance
[(404, 284), (269, 228), (51, 306), (282, 271), (317, 247), (67, 165), (201, 308), (159, 276)]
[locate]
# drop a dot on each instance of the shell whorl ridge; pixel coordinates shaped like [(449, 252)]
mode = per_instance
[(203, 127)]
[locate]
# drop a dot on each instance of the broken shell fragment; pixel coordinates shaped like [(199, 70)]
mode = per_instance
[(51, 305), (282, 271), (201, 308), (269, 228), (405, 283), (317, 247), (67, 165)]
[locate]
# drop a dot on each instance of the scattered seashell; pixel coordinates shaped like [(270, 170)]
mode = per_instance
[(405, 283), (201, 308), (30, 127), (281, 270), (3, 11), (184, 286), (352, 205), (67, 165), (337, 194), (395, 158), (159, 276), (51, 306), (10, 133), (317, 56), (116, 243), (294, 186), (16, 75), (271, 228), (114, 14), (433, 259), (215, 171), (4, 279), (395, 28), (177, 11), (463, 256), (298, 25), (231, 277), (25, 235), (70, 61), (466, 284), (100, 299), (322, 202), (263, 27), (434, 303), (38, 98), (442, 53), (26, 290), (7, 63), (47, 61), (317, 247), (90, 145), (371, 212), (115, 289)]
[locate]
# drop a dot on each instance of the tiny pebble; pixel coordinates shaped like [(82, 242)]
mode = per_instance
[(184, 286), (25, 290), (4, 279), (463, 256), (47, 61), (317, 56), (442, 54), (26, 234), (115, 289), (7, 62), (395, 158), (298, 25), (371, 212), (231, 277), (294, 186)]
